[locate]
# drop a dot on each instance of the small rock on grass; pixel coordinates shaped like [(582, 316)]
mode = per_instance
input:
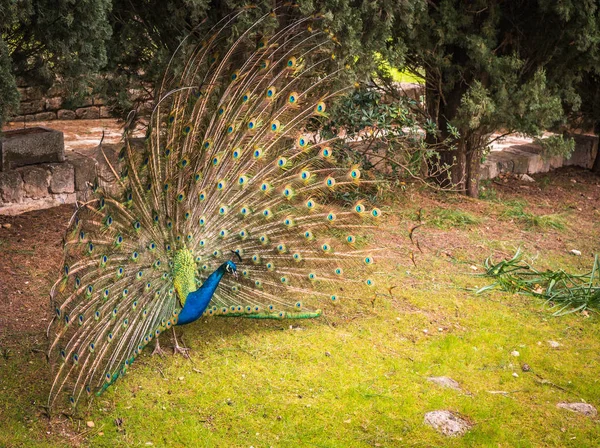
[(553, 344), (575, 252), (445, 382), (583, 408), (90, 424), (7, 225), (447, 423)]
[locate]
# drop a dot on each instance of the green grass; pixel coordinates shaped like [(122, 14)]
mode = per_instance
[(516, 210), (355, 378), (445, 218)]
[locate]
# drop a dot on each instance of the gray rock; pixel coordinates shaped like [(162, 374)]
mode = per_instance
[(85, 171), (11, 187), (54, 103), (31, 107), (444, 381), (65, 114), (88, 113), (45, 116), (36, 180), (447, 423), (583, 408), (31, 146), (63, 178)]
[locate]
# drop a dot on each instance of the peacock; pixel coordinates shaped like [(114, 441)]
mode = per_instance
[(234, 206)]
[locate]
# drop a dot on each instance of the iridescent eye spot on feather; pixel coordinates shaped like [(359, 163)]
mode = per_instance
[(298, 305), (223, 210), (333, 298), (291, 62), (320, 107), (134, 255), (329, 182), (284, 280), (359, 208), (271, 308), (262, 43), (66, 269), (369, 260), (255, 258), (180, 197), (184, 163), (311, 204), (281, 162), (81, 235), (167, 152), (187, 215), (246, 96), (168, 248), (169, 224), (120, 272), (288, 222), (202, 221), (236, 153), (243, 180), (270, 266), (267, 213), (325, 247), (187, 129), (221, 185), (293, 98), (67, 319), (101, 203), (355, 174), (281, 248), (223, 233), (297, 257), (103, 260), (221, 111), (89, 290), (312, 276), (77, 282), (264, 64), (243, 234), (251, 124), (308, 235), (369, 282), (230, 129), (217, 253), (108, 221), (350, 239), (118, 240), (213, 58), (264, 239), (258, 153), (304, 175), (90, 248), (271, 92), (166, 187), (92, 347), (140, 274), (235, 75), (202, 243), (258, 283), (288, 192), (245, 211), (275, 125), (301, 142), (265, 187), (202, 196), (376, 213), (207, 144), (171, 119), (338, 271)]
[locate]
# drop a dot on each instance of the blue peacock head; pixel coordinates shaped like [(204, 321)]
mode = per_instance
[(230, 266)]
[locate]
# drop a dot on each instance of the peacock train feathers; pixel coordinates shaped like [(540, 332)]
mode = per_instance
[(231, 190)]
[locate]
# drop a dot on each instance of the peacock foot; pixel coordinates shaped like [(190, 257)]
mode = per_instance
[(183, 351), (158, 351)]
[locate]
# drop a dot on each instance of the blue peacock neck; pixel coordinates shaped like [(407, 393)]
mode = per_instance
[(197, 301)]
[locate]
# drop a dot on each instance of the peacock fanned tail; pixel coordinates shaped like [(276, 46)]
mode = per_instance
[(228, 166)]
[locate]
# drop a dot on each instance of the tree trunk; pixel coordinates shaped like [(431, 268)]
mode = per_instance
[(596, 166)]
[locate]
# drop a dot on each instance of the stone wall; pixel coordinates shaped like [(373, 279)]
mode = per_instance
[(39, 106)]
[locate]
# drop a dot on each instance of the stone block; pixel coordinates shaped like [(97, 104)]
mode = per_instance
[(31, 146), (88, 113), (54, 103), (45, 116), (36, 180), (11, 187), (97, 101), (584, 154), (55, 90), (85, 171), (105, 112), (31, 107), (30, 93), (65, 114), (62, 178)]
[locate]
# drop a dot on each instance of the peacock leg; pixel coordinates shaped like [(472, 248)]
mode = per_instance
[(179, 349), (157, 350)]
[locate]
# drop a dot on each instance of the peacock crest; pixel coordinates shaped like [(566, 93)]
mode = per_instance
[(229, 171)]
